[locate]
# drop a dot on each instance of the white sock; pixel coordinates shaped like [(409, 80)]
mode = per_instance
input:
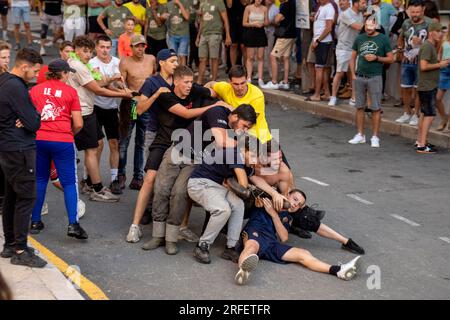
[(114, 173), (85, 173)]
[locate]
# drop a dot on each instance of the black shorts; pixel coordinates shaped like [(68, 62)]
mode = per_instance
[(428, 102), (305, 222), (155, 157), (93, 26), (89, 135), (322, 52), (108, 119), (154, 46), (4, 8), (254, 37)]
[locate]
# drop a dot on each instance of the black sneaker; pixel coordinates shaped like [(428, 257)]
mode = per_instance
[(115, 187), (230, 254), (8, 251), (319, 214), (76, 231), (29, 259), (426, 150), (201, 253), (36, 227), (352, 246), (122, 179), (136, 184), (301, 233)]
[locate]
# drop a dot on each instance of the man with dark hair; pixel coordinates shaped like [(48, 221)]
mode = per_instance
[(19, 122), (171, 199), (89, 83)]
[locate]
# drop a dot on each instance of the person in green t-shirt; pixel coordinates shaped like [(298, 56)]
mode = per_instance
[(429, 70), (74, 15), (95, 7), (372, 50), (213, 21), (116, 15), (155, 28), (178, 24)]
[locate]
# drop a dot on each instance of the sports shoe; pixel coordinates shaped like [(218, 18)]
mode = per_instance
[(103, 195), (260, 83), (28, 258), (76, 231), (44, 209), (115, 187), (352, 102), (134, 234), (270, 85), (122, 179), (426, 150), (248, 265), (346, 94), (332, 102), (136, 184), (414, 121), (283, 85), (405, 117), (230, 254), (42, 52), (352, 246), (201, 253), (188, 235), (8, 251), (36, 227), (154, 243), (85, 188), (375, 142), (81, 209), (348, 270), (358, 138)]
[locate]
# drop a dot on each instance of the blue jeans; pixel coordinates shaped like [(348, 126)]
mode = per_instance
[(139, 140), (409, 75), (63, 154), (180, 44), (115, 43)]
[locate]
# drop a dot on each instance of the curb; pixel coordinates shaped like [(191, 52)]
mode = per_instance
[(345, 113)]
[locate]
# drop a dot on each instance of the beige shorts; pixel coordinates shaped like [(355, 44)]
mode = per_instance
[(209, 46), (283, 47)]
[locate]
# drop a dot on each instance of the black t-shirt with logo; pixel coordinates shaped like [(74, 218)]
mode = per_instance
[(52, 7), (167, 121), (286, 29)]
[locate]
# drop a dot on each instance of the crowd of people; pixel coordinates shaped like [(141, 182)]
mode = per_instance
[(205, 143)]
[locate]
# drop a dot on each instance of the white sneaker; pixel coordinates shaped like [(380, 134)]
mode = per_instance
[(352, 102), (283, 85), (134, 234), (81, 209), (44, 210), (414, 120), (270, 85), (103, 195), (333, 101), (42, 51), (260, 83), (375, 142), (248, 265), (404, 118), (358, 138), (349, 269)]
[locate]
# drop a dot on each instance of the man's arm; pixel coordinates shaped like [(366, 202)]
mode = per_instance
[(75, 2), (184, 12), (224, 16), (277, 197), (279, 227), (99, 91), (77, 121), (182, 112), (241, 177), (328, 29), (25, 111), (425, 65), (102, 25)]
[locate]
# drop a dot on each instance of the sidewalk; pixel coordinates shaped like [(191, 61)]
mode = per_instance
[(346, 113), (26, 283)]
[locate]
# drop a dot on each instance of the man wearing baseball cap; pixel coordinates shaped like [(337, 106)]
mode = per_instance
[(59, 106)]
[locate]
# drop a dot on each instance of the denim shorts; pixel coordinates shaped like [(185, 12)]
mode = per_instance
[(428, 102), (409, 75), (20, 14), (180, 44), (444, 79)]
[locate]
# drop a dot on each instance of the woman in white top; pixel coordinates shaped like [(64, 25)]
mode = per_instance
[(255, 39)]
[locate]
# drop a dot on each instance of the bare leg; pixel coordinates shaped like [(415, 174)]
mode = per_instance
[(425, 123), (187, 213), (336, 82), (318, 84), (312, 75), (144, 196), (260, 57), (360, 120), (249, 63), (326, 82), (286, 61), (17, 33), (326, 232), (406, 96), (376, 121), (274, 64), (233, 53), (91, 163), (201, 70), (28, 33), (100, 150), (250, 247), (441, 107), (306, 259), (113, 153), (183, 60), (214, 68)]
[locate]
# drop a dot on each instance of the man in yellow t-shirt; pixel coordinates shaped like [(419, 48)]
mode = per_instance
[(237, 91), (138, 11)]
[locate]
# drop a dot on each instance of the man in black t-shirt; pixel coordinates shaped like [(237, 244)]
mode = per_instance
[(50, 13), (171, 201)]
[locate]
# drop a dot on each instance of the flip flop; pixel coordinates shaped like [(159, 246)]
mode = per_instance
[(312, 100)]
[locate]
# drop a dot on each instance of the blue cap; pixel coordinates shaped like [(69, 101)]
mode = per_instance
[(165, 54), (59, 65)]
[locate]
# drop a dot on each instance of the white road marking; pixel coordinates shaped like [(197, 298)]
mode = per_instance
[(316, 181), (445, 239), (355, 197), (410, 222)]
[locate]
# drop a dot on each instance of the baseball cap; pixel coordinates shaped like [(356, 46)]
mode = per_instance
[(165, 54), (137, 39), (59, 65), (434, 26)]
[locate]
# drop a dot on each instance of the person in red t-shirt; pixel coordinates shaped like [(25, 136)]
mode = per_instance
[(60, 110)]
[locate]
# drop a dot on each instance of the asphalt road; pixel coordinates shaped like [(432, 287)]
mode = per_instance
[(410, 258)]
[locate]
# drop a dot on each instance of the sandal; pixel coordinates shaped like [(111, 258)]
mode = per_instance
[(442, 126)]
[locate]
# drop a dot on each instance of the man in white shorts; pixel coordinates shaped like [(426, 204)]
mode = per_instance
[(74, 14)]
